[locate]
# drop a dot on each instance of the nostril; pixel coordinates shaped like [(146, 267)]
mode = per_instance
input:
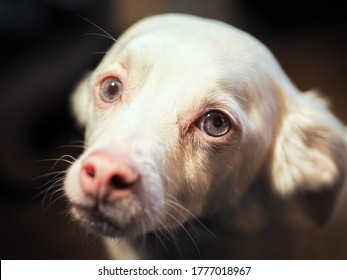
[(90, 170), (107, 177), (119, 182)]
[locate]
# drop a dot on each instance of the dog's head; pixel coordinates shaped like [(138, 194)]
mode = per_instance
[(181, 116)]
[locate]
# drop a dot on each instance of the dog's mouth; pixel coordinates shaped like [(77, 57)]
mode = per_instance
[(98, 222)]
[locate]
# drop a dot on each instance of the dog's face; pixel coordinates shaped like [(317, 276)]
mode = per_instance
[(179, 122)]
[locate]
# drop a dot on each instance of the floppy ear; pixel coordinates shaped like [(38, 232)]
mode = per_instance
[(80, 100), (309, 156)]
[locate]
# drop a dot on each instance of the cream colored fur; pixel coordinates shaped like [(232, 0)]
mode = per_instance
[(175, 68)]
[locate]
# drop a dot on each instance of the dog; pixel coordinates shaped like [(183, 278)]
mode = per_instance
[(197, 145)]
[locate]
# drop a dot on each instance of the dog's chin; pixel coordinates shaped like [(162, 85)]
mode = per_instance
[(94, 220)]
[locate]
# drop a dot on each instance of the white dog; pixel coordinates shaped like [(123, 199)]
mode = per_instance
[(199, 146)]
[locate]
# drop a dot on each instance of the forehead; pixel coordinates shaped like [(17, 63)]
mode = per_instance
[(175, 68), (170, 56)]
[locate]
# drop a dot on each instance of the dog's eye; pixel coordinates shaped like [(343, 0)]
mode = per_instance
[(110, 89), (214, 123)]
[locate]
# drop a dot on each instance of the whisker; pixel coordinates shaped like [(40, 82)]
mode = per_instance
[(58, 160), (56, 199), (62, 159), (172, 202), (101, 53), (59, 190), (71, 146), (50, 204), (56, 184), (186, 231), (53, 180), (98, 27), (68, 156), (173, 239), (102, 35), (157, 236), (77, 142), (45, 193), (56, 173), (162, 243)]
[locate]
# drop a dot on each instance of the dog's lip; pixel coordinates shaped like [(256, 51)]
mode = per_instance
[(95, 220)]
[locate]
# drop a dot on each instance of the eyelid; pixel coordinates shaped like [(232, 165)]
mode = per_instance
[(234, 121), (116, 71), (221, 108)]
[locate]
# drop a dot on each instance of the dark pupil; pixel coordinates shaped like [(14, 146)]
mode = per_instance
[(217, 121), (113, 88)]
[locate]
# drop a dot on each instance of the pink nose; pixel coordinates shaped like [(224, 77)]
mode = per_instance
[(108, 177)]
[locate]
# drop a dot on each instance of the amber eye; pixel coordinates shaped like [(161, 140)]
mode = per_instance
[(111, 89), (214, 123)]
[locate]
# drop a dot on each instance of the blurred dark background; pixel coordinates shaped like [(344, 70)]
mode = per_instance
[(45, 50)]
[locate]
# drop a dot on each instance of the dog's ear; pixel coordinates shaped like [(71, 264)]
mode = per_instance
[(309, 156), (80, 100)]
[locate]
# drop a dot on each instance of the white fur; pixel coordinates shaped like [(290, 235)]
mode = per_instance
[(175, 68)]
